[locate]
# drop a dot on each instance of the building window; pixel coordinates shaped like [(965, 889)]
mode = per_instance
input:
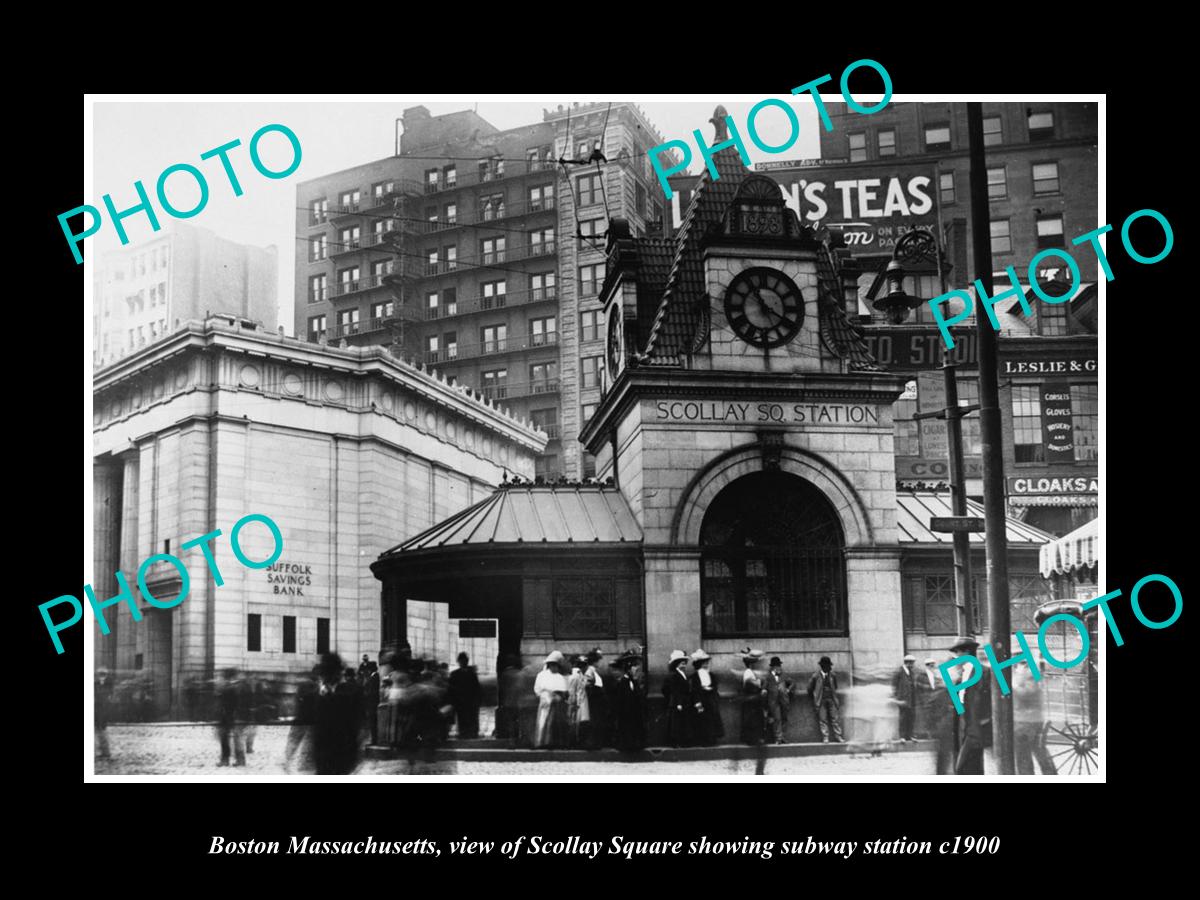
[(939, 614), (545, 420), (450, 258), (770, 574), (379, 270), (450, 345), (543, 377), (1041, 126), (432, 342), (491, 169), (592, 228), (380, 311), (542, 287), (1084, 422), (584, 608), (317, 248), (887, 142), (349, 201), (350, 237), (495, 384), (589, 465), (432, 182), (993, 133), (289, 634), (449, 177), (450, 214), (254, 632), (590, 368), (1052, 318), (1045, 178), (858, 146), (316, 328), (1001, 239), (1050, 232), (590, 279), (1028, 444), (380, 191), (317, 288), (946, 185), (586, 411), (322, 635), (543, 331), (491, 250), (589, 325), (431, 262), (380, 228), (318, 212), (348, 321), (541, 198), (432, 310), (493, 338), (541, 241), (491, 206), (348, 280), (589, 190), (585, 146), (639, 199), (937, 137), (997, 183), (495, 293)]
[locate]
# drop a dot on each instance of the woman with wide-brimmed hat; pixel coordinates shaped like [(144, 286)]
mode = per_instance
[(707, 727), (578, 714), (628, 703), (677, 692), (754, 699), (551, 690)]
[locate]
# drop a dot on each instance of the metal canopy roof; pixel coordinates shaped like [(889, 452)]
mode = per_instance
[(535, 514), (915, 509)]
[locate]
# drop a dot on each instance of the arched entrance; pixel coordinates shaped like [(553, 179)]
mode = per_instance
[(772, 560)]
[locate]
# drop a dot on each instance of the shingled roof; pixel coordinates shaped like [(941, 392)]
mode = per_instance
[(683, 302)]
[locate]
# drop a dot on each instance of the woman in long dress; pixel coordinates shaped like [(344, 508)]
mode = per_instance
[(578, 714), (551, 690), (709, 729), (754, 698), (597, 695)]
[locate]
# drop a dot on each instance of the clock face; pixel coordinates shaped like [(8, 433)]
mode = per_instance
[(614, 342), (764, 307)]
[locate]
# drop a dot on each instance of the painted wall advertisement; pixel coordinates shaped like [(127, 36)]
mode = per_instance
[(872, 205), (1056, 422)]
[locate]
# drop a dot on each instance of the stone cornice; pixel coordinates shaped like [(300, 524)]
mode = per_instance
[(214, 338)]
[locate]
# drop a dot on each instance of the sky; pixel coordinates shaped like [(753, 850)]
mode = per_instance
[(136, 140)]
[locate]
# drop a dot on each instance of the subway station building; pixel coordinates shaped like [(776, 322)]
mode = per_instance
[(344, 449), (745, 445)]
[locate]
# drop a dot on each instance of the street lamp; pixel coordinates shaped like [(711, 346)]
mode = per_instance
[(917, 247)]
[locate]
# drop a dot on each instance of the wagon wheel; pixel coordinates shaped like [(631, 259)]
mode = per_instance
[(1079, 753)]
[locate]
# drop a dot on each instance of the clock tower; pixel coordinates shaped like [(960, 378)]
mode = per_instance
[(750, 432)]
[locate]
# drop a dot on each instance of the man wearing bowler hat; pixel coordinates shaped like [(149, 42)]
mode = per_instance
[(904, 692), (779, 698), (822, 687), (972, 728)]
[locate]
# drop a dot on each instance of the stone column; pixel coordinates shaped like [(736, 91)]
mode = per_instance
[(106, 531), (875, 607), (124, 640), (672, 579)]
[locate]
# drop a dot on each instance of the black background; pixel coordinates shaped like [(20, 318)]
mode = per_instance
[(1147, 481)]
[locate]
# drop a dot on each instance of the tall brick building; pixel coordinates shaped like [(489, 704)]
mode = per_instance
[(472, 251), (145, 292)]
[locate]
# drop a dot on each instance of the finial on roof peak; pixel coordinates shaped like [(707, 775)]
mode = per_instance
[(720, 127)]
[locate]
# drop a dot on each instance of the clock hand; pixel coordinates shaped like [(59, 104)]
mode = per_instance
[(762, 304)]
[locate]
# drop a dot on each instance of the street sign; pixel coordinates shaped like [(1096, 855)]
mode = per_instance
[(956, 523)]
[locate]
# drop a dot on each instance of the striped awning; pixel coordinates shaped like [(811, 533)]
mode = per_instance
[(1072, 552), (916, 509)]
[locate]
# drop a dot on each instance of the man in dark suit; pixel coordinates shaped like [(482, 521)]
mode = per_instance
[(465, 695), (779, 699), (904, 692), (972, 728), (822, 687)]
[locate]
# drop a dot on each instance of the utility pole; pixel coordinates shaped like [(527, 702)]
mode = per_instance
[(993, 458)]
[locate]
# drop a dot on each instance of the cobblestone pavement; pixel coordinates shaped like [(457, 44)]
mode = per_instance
[(157, 749)]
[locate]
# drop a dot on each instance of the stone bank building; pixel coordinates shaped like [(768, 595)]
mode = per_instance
[(343, 448), (745, 445)]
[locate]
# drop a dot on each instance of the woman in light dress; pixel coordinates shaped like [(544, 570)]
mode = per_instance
[(578, 714), (551, 690)]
